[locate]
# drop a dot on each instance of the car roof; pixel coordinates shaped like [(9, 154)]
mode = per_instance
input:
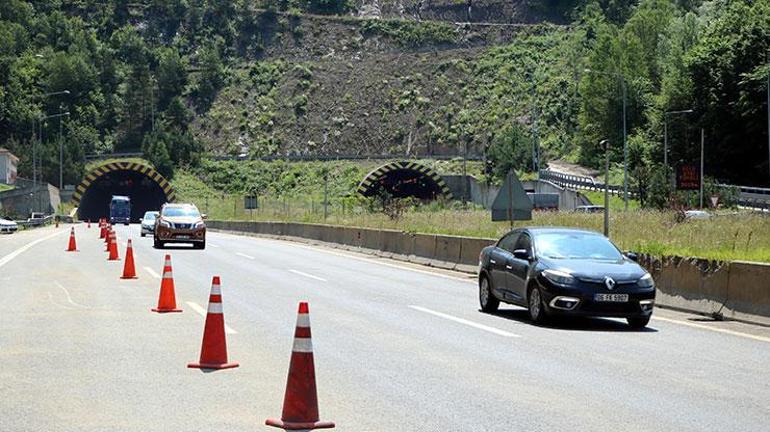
[(550, 229)]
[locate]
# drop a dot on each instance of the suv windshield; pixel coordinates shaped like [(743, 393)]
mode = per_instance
[(149, 216), (576, 245), (181, 211)]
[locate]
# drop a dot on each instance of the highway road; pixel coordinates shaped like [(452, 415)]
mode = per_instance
[(398, 347)]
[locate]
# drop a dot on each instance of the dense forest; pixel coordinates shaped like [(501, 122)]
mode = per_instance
[(139, 73)]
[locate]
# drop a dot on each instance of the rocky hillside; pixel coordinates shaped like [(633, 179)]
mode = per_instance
[(325, 85)]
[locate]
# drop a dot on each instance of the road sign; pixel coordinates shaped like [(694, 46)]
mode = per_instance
[(687, 177), (250, 202), (512, 202), (714, 200)]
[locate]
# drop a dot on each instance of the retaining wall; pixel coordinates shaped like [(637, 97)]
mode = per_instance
[(734, 290)]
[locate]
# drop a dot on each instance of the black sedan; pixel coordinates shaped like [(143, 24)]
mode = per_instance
[(561, 271)]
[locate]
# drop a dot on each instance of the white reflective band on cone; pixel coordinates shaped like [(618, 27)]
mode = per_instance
[(303, 345), (303, 320), (167, 275), (215, 289), (215, 308)]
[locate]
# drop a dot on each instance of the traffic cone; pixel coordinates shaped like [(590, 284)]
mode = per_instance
[(113, 248), (108, 240), (129, 270), (72, 247), (214, 346), (300, 403), (102, 230), (167, 298)]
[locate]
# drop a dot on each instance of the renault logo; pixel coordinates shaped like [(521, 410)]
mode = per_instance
[(609, 282)]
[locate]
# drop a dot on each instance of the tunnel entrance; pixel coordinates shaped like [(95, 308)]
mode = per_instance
[(404, 179), (147, 189)]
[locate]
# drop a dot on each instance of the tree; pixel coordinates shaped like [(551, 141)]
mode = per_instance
[(213, 74), (157, 153), (510, 150), (171, 75)]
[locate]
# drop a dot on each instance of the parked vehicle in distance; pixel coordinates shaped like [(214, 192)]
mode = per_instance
[(564, 271), (148, 222), (180, 223), (120, 209), (697, 214), (8, 226), (589, 209)]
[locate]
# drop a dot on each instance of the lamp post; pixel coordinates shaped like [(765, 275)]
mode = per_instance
[(622, 82), (39, 140), (665, 132), (606, 145), (768, 112)]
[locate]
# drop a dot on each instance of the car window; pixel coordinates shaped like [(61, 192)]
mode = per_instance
[(524, 242), (181, 211), (508, 241), (149, 216), (576, 245)]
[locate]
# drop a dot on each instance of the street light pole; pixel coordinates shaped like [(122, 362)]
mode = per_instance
[(61, 151), (768, 112), (702, 142), (606, 145)]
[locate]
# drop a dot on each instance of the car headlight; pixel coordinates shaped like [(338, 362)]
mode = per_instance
[(164, 224), (199, 224), (559, 277), (646, 281)]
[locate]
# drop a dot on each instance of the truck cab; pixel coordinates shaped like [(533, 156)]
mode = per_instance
[(120, 209)]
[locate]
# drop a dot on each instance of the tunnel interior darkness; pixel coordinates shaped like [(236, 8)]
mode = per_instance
[(145, 193), (404, 183)]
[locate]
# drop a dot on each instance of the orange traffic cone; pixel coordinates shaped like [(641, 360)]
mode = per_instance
[(167, 298), (300, 403), (214, 346), (129, 270), (72, 247), (102, 230), (113, 248)]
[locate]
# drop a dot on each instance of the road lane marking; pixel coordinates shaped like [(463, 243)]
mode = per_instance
[(308, 275), (714, 329), (464, 321), (245, 256), (152, 272), (198, 308), (69, 297), (6, 259), (213, 245)]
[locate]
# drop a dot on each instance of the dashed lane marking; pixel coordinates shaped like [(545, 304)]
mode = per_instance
[(152, 272), (466, 322), (198, 308), (714, 329), (245, 256), (308, 275), (213, 245)]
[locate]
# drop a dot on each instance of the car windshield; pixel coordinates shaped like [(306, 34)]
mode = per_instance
[(576, 245), (149, 216), (181, 211)]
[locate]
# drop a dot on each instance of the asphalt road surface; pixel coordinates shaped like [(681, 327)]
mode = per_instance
[(397, 347)]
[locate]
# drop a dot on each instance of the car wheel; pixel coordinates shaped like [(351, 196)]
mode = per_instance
[(536, 308), (201, 245), (158, 244), (487, 300), (143, 235), (639, 322)]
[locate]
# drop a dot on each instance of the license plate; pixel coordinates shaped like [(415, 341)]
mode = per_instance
[(615, 298), (182, 236)]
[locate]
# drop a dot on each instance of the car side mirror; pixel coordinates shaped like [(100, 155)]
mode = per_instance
[(632, 256), (521, 254), (141, 220)]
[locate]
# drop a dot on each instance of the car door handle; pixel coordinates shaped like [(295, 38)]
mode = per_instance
[(509, 267), (493, 261)]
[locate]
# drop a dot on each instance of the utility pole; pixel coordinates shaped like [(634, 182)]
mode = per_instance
[(61, 149), (606, 145), (326, 195), (768, 112), (702, 142)]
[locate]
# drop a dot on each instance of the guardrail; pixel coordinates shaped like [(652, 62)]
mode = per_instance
[(749, 196), (35, 222)]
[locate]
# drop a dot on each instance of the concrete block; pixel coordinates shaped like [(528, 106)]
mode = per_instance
[(470, 248), (748, 292), (424, 249)]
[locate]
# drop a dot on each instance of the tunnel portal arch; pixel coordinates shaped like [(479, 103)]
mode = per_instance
[(147, 188), (405, 179)]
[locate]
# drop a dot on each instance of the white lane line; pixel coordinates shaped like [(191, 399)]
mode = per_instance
[(152, 272), (213, 245), (308, 275), (198, 308), (714, 329), (6, 259), (466, 322), (69, 297), (245, 256)]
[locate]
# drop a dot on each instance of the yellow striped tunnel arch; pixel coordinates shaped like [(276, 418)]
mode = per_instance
[(368, 185), (123, 166)]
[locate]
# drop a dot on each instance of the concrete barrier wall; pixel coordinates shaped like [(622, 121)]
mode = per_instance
[(734, 290)]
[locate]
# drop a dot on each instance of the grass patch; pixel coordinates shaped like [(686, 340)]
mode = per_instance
[(616, 202)]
